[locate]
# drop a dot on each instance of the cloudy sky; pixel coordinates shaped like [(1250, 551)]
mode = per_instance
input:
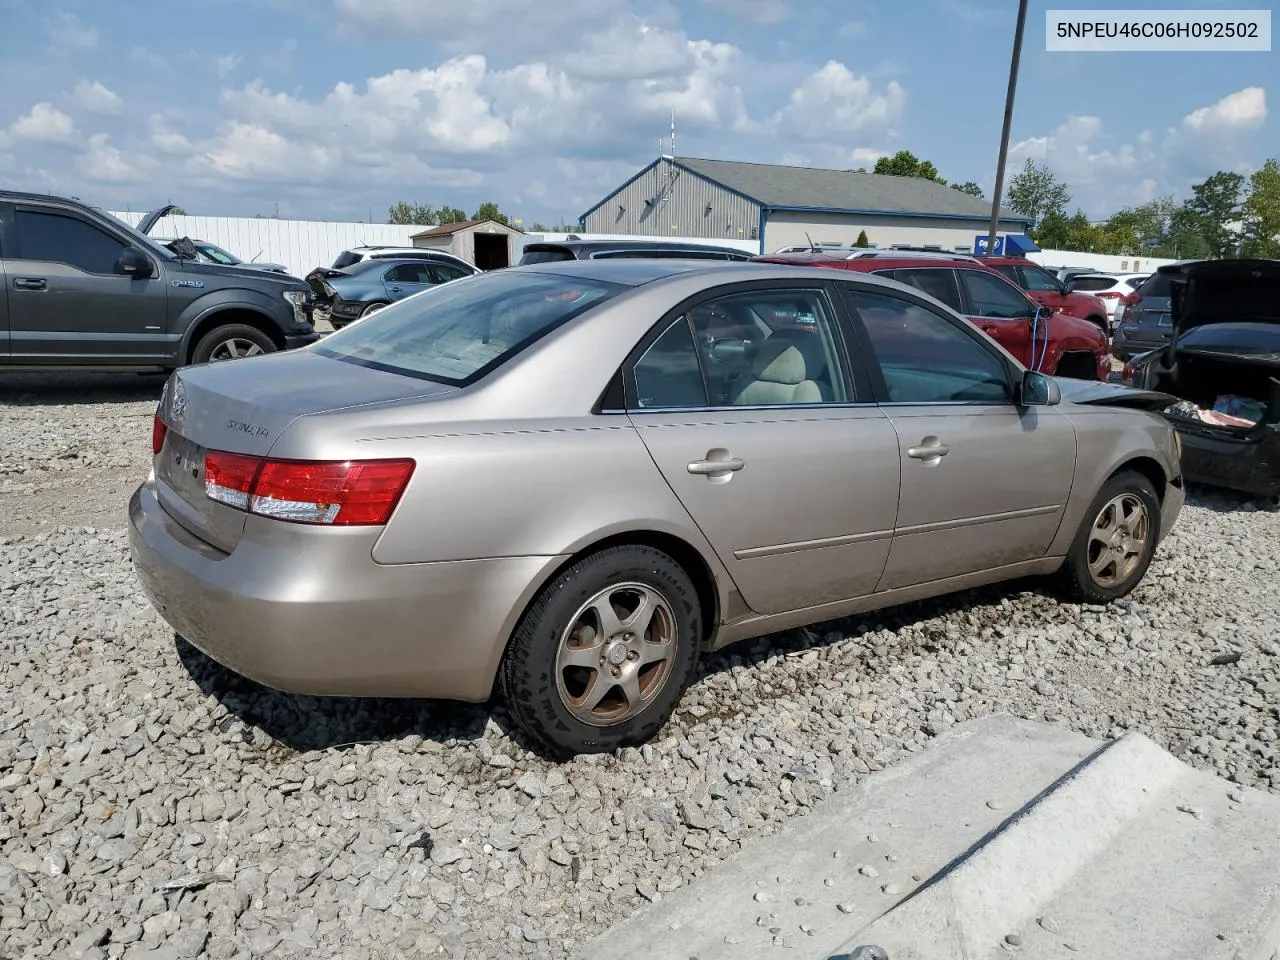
[(334, 109)]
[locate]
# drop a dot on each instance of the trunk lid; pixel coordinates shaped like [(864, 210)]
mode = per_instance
[(242, 406), (1224, 291)]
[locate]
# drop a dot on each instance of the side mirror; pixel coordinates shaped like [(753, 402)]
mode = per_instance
[(134, 263), (1042, 314), (1038, 390)]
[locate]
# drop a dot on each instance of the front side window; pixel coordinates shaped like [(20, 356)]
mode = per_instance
[(937, 283), (926, 358), (443, 273), (762, 348), (456, 333), (1039, 280), (54, 238), (991, 297)]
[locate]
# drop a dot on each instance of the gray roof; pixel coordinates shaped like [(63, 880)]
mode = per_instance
[(773, 185)]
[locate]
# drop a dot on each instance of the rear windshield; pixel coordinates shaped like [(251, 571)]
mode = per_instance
[(345, 259), (546, 255), (1090, 282), (458, 332), (1156, 285)]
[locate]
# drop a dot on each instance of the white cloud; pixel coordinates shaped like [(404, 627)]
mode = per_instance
[(94, 97), (166, 140), (69, 32), (104, 163), (631, 49), (43, 123), (834, 101), (247, 151), (1243, 110), (145, 57)]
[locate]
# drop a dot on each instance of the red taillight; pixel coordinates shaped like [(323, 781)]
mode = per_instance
[(1130, 298), (158, 430), (1129, 371), (1107, 295), (334, 493)]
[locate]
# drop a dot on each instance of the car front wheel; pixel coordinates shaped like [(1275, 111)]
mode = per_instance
[(601, 658), (231, 342), (1116, 541)]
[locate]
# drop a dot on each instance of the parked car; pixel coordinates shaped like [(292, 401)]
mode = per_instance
[(1223, 362), (564, 481), (368, 286), (207, 252), (1048, 291), (1145, 322), (1041, 338), (85, 289), (558, 250), (356, 255), (186, 248), (1117, 290)]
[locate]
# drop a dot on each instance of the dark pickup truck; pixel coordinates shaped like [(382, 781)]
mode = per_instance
[(83, 290)]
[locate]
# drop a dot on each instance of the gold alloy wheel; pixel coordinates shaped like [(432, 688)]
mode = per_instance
[(1118, 540), (617, 654)]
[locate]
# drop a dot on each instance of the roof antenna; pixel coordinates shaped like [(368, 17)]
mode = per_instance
[(673, 133), (812, 248)]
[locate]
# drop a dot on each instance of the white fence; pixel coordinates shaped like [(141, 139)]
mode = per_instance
[(299, 245), (1104, 262)]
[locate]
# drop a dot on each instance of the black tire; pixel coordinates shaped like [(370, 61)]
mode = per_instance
[(1075, 579), (373, 308), (528, 674), (211, 345)]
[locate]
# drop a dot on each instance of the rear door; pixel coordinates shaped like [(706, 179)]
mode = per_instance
[(68, 300), (984, 482), (745, 401)]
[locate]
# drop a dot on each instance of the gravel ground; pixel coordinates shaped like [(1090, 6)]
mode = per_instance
[(152, 805)]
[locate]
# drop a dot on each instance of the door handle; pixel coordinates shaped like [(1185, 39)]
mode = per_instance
[(930, 449), (716, 468), (394, 289), (30, 283)]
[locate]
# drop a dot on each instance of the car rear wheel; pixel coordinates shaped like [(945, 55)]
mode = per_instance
[(232, 342), (1116, 541), (602, 656), (371, 308)]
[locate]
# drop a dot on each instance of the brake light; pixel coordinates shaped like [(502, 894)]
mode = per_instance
[(158, 431), (1129, 302), (1107, 295), (333, 493), (1130, 298)]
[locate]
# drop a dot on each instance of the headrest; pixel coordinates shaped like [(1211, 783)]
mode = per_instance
[(790, 357)]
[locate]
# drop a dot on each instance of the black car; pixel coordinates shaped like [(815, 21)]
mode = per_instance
[(1222, 362), (550, 251), (82, 289)]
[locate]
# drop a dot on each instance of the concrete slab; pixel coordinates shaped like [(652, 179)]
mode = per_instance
[(923, 812), (1004, 836)]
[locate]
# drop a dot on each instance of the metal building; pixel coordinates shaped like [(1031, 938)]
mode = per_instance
[(780, 206)]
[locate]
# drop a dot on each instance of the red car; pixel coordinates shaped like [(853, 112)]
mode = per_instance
[(1048, 291), (1063, 345)]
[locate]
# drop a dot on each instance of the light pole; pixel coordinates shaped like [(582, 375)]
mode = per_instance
[(1008, 122)]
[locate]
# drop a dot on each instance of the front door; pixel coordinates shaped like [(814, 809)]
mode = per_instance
[(68, 300), (746, 405), (984, 481)]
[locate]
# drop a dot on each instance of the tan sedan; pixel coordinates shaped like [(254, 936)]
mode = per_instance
[(569, 481)]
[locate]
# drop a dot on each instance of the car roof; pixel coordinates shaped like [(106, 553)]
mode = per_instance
[(886, 262), (639, 271)]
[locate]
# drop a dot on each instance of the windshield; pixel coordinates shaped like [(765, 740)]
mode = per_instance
[(456, 333), (217, 254), (1156, 285)]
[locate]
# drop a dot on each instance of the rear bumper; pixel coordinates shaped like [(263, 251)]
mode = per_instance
[(1126, 345), (307, 610), (1249, 465)]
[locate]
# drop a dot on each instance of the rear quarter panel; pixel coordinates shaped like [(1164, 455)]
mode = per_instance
[(1108, 438)]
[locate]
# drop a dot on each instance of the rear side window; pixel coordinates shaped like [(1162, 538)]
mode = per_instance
[(344, 259), (669, 375), (939, 284), (456, 333), (444, 272), (546, 255), (54, 238)]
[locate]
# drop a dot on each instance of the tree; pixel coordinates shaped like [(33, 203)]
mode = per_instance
[(404, 212), (177, 212), (1035, 192), (1213, 210), (490, 211), (1262, 212), (969, 187), (1140, 230), (862, 240), (448, 214), (904, 163)]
